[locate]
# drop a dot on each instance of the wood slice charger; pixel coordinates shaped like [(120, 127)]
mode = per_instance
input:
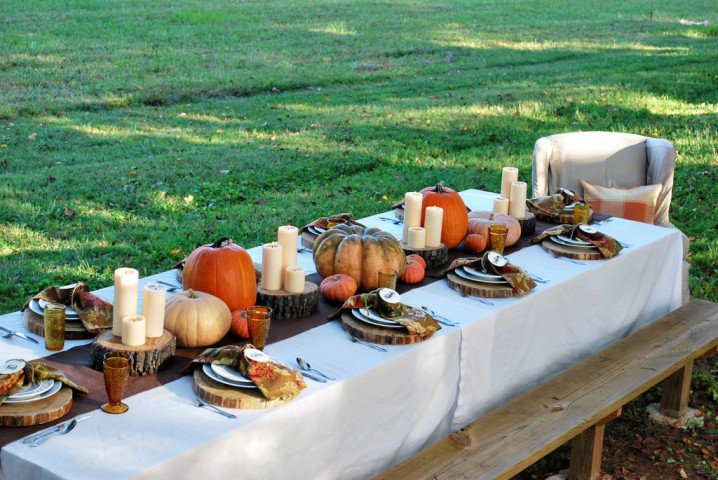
[(572, 252), (381, 336), (225, 396), (36, 324), (434, 256), (36, 413), (484, 290), (290, 305), (144, 359)]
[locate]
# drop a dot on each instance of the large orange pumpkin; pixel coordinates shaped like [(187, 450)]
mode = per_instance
[(456, 219), (223, 269), (479, 223), (358, 252)]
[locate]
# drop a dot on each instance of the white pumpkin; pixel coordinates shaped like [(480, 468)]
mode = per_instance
[(197, 319)]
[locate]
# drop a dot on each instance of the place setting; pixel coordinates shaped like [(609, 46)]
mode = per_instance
[(309, 232), (564, 206), (488, 276), (578, 242)]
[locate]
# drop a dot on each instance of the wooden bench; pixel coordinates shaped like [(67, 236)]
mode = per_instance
[(575, 404)]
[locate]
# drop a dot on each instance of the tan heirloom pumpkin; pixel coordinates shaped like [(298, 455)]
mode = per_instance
[(455, 223), (475, 242), (479, 223), (197, 319), (225, 270), (414, 272), (358, 252), (337, 288)]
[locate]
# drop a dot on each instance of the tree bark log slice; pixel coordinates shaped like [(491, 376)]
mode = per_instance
[(528, 224), (229, 397), (308, 239), (36, 324), (571, 252), (435, 256), (144, 359), (475, 289), (290, 305), (36, 413), (378, 335)]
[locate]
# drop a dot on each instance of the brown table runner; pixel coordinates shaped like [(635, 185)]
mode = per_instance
[(76, 363)]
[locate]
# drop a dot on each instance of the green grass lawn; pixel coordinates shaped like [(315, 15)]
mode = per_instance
[(132, 131)]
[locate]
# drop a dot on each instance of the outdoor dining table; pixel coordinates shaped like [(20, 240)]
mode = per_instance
[(383, 406)]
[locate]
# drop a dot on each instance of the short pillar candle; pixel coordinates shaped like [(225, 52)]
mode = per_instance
[(133, 330), (125, 301), (154, 296), (272, 266), (294, 279), (517, 202), (417, 237), (501, 205)]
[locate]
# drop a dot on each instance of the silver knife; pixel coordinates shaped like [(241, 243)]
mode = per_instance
[(20, 334), (314, 377), (49, 431)]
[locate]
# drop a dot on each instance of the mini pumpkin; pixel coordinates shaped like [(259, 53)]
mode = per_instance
[(338, 287), (417, 258), (239, 324), (475, 243), (456, 221), (197, 319), (414, 272), (479, 222)]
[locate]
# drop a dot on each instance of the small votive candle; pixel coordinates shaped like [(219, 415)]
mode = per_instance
[(154, 296), (294, 276), (417, 237), (432, 223), (133, 330), (501, 205)]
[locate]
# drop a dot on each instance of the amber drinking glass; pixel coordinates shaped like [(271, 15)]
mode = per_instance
[(581, 214), (54, 318), (497, 237), (117, 373), (258, 319), (387, 279)]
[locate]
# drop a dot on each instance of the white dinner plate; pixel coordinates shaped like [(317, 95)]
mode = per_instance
[(69, 311), (574, 245), (56, 386), (466, 275), (32, 390), (229, 373), (314, 230), (207, 369), (36, 308), (573, 241), (383, 324), (482, 275)]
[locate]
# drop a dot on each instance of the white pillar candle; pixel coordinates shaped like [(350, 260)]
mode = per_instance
[(501, 205), (272, 266), (125, 302), (154, 296), (412, 212), (295, 279), (287, 238), (509, 175), (133, 330), (417, 237), (432, 224), (517, 201)]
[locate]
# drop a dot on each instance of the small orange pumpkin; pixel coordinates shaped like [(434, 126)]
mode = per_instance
[(475, 243), (417, 258), (414, 272), (239, 324), (456, 219), (338, 287)]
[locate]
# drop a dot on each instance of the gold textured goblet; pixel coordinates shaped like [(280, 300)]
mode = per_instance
[(387, 279), (497, 237), (54, 323), (258, 320), (581, 214), (117, 373)]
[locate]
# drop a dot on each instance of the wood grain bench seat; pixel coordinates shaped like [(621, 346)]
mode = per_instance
[(575, 404)]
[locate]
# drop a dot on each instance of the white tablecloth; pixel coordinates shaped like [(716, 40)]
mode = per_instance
[(383, 407)]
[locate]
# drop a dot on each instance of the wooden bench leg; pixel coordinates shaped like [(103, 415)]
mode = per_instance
[(586, 452), (675, 390)]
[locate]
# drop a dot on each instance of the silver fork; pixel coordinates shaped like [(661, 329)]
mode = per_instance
[(570, 260), (395, 221), (201, 403), (536, 278), (440, 318), (172, 286), (63, 431), (370, 345), (485, 302)]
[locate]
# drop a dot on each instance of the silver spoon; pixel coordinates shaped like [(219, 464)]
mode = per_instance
[(306, 367), (65, 430)]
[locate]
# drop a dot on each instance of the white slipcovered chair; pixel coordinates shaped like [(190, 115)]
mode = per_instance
[(609, 159)]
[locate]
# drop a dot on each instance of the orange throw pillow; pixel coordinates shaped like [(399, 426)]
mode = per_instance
[(636, 203)]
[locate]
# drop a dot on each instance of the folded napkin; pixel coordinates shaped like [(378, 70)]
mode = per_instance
[(608, 246), (519, 280), (415, 321), (94, 312), (325, 222), (273, 379), (33, 372), (549, 208)]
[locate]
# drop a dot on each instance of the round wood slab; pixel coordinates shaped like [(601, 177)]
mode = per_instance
[(36, 413), (308, 239), (381, 336), (528, 224), (144, 359), (225, 396), (571, 252), (434, 256), (36, 324), (290, 305), (484, 290)]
